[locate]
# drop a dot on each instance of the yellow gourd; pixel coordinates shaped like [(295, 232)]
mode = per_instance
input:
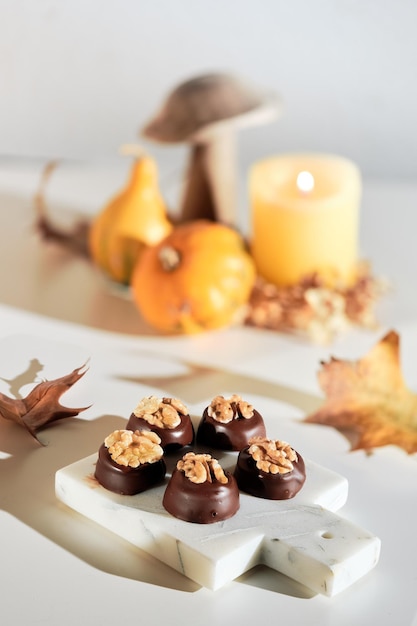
[(135, 218), (197, 278)]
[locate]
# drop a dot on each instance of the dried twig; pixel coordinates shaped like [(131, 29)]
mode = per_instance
[(74, 238)]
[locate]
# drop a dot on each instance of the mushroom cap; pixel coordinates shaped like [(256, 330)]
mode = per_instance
[(198, 106)]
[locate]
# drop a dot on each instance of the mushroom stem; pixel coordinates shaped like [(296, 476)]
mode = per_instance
[(220, 167), (210, 191), (197, 201)]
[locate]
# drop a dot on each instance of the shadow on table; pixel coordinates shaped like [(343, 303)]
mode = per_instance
[(27, 482), (201, 382)]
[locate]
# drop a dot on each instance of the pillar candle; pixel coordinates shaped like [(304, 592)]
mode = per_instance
[(305, 217)]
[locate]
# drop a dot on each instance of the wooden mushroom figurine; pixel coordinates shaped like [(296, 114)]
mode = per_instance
[(205, 112)]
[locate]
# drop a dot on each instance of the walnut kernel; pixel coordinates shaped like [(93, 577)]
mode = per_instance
[(225, 410), (272, 456), (163, 413), (199, 468), (132, 449)]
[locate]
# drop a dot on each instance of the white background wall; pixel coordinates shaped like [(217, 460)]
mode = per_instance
[(80, 77)]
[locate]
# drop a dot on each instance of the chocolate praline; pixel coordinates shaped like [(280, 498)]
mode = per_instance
[(127, 480), (256, 482), (233, 435), (203, 503), (172, 439)]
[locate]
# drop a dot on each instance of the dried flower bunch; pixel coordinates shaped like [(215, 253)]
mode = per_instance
[(161, 412), (312, 307)]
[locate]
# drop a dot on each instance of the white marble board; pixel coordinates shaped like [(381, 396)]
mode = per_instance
[(302, 537)]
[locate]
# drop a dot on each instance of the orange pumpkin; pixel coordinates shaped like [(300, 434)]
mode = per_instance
[(197, 278), (134, 218)]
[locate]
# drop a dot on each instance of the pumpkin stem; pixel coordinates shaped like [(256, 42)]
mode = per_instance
[(132, 149), (169, 257)]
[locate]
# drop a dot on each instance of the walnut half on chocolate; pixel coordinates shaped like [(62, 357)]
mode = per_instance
[(229, 423), (167, 417), (200, 491), (225, 410), (270, 468), (130, 462), (200, 468)]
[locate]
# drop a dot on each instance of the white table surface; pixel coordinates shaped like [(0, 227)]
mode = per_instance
[(59, 568)]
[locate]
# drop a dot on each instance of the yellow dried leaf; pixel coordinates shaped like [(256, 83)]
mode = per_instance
[(370, 398)]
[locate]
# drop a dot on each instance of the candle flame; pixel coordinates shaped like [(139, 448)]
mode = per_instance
[(305, 182)]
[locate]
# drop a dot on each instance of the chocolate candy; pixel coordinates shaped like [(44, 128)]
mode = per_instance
[(265, 475), (214, 499), (168, 418), (229, 424), (121, 477), (171, 438)]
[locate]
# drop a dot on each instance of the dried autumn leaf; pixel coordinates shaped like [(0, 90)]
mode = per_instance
[(41, 406), (370, 398)]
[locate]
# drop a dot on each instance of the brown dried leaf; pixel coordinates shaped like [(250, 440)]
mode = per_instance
[(41, 406), (370, 398)]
